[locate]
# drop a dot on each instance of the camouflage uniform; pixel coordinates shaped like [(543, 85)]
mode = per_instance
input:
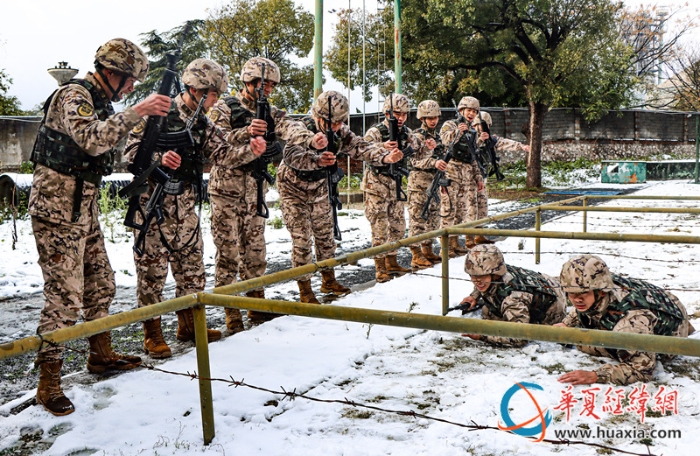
[(624, 305), (303, 190), (72, 255), (419, 181), (238, 232), (516, 294), (384, 212)]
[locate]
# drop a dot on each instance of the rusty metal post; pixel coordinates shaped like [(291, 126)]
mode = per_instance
[(445, 252), (538, 227), (205, 396)]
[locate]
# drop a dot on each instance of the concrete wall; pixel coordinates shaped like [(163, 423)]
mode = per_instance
[(624, 134)]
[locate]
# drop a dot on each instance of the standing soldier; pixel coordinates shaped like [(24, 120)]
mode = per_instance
[(178, 241), (610, 302), (239, 233), (510, 293), (78, 139), (424, 167), (458, 202), (303, 187), (499, 145), (382, 208)]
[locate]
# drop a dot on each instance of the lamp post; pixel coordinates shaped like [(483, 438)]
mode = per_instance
[(62, 73)]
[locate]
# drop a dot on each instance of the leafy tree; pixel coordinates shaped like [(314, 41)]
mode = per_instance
[(159, 45), (275, 29), (9, 105)]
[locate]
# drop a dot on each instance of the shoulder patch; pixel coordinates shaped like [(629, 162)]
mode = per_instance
[(140, 127), (214, 115), (85, 109)]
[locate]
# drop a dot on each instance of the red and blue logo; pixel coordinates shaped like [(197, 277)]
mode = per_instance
[(526, 428)]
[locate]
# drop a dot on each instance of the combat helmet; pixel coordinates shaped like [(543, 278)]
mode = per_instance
[(339, 105), (468, 102), (485, 116), (252, 70), (485, 259), (123, 56), (428, 108), (205, 74), (584, 273), (400, 101)]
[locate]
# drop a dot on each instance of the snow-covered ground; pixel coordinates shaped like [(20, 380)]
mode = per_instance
[(442, 375)]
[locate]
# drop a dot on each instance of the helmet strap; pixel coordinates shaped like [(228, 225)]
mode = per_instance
[(115, 92)]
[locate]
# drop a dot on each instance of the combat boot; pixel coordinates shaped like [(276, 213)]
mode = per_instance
[(153, 341), (381, 274), (256, 317), (331, 285), (479, 239), (185, 327), (455, 248), (393, 267), (234, 320), (418, 261), (469, 243), (102, 358), (49, 392), (427, 250), (306, 294)]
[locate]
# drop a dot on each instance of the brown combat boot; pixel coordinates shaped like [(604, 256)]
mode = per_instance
[(234, 320), (49, 393), (381, 274), (255, 317), (331, 285), (479, 239), (153, 341), (455, 248), (418, 261), (102, 358), (427, 250), (185, 327), (469, 242), (393, 267), (306, 294)]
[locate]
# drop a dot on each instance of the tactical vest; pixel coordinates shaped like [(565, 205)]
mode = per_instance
[(316, 175), (439, 151), (61, 153), (525, 281), (465, 149), (242, 117), (403, 138), (192, 161), (642, 295)]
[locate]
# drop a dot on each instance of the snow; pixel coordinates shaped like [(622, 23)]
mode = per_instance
[(434, 373)]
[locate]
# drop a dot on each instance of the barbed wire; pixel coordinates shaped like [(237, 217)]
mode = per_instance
[(293, 395)]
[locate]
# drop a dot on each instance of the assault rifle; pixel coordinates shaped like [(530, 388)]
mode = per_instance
[(491, 151), (465, 307), (333, 174), (143, 166), (397, 171), (274, 148), (439, 181)]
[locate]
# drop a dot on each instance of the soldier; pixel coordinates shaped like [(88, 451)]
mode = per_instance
[(384, 212), (239, 234), (419, 181), (610, 302), (78, 139), (177, 241), (458, 202), (501, 145), (303, 188), (511, 293)]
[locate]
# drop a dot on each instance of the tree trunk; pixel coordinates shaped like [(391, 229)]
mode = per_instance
[(534, 163)]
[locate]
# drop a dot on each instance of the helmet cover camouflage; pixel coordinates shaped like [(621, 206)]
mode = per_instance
[(468, 102), (401, 103), (205, 74), (252, 70), (485, 259), (123, 56), (339, 105), (584, 273), (428, 108), (484, 115)]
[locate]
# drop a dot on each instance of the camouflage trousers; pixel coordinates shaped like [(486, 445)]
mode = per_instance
[(77, 276), (384, 212), (418, 184), (482, 203), (239, 237), (181, 231), (459, 203), (307, 213)]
